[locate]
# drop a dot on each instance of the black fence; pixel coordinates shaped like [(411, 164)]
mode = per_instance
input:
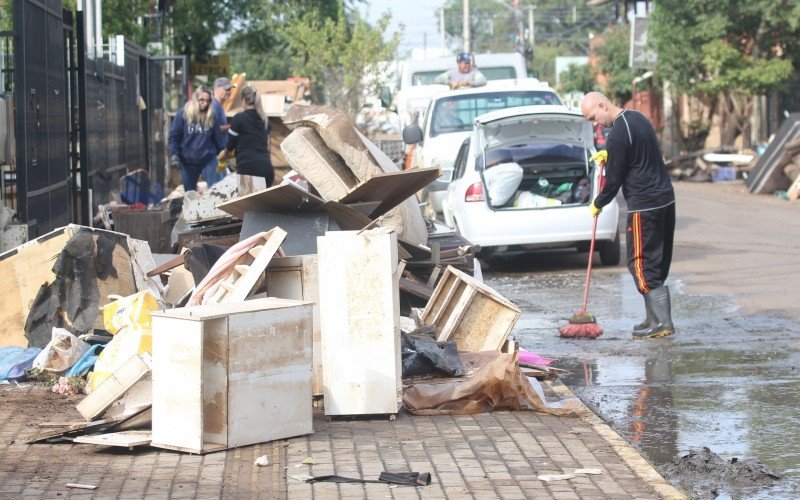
[(81, 123)]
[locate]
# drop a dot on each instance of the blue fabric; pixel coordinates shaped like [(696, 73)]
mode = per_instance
[(137, 187), (193, 143), (191, 172), (15, 361), (86, 362)]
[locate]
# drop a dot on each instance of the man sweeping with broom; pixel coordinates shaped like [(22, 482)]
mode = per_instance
[(636, 165)]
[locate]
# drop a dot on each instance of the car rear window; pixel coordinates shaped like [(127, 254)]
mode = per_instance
[(457, 113)]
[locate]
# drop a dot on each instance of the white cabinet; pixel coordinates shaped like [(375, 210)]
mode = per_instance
[(297, 277), (227, 375), (360, 322)]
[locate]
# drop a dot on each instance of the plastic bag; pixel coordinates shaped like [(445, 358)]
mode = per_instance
[(131, 311), (526, 199), (502, 182), (63, 351), (15, 361)]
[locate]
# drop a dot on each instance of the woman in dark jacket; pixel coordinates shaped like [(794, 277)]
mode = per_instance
[(249, 137), (195, 139)]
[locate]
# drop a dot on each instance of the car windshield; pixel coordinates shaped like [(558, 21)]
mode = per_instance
[(457, 113)]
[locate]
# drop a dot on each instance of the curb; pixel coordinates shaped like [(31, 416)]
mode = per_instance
[(630, 455)]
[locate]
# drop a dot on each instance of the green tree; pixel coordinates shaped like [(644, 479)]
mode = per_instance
[(343, 58), (613, 63), (727, 50), (121, 17), (578, 78)]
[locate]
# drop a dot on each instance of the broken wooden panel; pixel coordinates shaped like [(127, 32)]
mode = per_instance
[(297, 278), (204, 208), (766, 177), (125, 439), (308, 154), (360, 322), (244, 276), (113, 388), (228, 375), (286, 197), (28, 267), (469, 312), (391, 188)]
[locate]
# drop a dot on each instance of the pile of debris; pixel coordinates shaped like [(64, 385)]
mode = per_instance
[(778, 169), (331, 297)]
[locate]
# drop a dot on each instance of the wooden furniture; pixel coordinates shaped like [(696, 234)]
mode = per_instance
[(227, 375), (469, 312), (297, 278), (359, 307)]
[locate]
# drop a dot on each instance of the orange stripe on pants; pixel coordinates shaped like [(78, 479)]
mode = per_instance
[(638, 253)]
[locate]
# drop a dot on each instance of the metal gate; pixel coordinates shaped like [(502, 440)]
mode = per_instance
[(41, 101)]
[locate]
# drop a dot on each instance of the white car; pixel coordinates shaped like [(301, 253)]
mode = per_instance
[(523, 180), (449, 119)]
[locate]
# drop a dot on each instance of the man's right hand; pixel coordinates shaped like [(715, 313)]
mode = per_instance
[(174, 161)]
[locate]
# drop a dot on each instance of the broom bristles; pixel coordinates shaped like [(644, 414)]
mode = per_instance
[(581, 331)]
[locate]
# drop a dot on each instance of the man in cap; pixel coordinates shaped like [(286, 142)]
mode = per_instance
[(466, 75), (222, 92)]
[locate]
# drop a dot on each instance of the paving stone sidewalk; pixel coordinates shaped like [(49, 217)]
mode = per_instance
[(490, 455)]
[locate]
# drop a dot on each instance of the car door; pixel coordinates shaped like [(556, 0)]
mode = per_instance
[(459, 167)]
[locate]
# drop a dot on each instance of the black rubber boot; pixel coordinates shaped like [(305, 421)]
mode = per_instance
[(658, 300), (648, 320)]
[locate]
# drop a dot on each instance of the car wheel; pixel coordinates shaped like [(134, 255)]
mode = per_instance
[(610, 251)]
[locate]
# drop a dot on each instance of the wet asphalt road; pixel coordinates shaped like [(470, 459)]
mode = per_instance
[(726, 381)]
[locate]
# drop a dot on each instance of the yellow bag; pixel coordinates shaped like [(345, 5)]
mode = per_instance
[(131, 310), (129, 320)]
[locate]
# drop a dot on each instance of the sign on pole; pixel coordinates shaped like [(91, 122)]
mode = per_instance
[(641, 56)]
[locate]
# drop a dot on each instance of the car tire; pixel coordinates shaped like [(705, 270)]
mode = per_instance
[(610, 251)]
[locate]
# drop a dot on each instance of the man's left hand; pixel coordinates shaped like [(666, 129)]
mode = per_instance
[(595, 210)]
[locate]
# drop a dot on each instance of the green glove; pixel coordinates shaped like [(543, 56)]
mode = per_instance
[(594, 210)]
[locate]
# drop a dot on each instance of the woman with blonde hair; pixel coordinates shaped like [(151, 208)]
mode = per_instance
[(195, 139), (249, 137)]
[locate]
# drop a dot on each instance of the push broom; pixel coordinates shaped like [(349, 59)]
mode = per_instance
[(583, 324)]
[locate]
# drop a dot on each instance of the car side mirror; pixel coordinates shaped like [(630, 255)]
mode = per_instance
[(412, 134)]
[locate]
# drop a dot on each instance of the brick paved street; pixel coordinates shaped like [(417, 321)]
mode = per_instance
[(491, 455)]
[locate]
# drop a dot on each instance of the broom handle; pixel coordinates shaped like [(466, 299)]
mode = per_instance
[(589, 269)]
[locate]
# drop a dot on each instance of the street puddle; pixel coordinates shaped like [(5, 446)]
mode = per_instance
[(725, 382)]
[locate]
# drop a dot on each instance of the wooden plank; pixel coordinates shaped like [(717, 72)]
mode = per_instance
[(215, 381), (420, 290), (212, 311), (126, 439), (171, 264), (97, 425), (286, 197), (391, 189), (113, 388), (459, 311)]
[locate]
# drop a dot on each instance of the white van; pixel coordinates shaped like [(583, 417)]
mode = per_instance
[(501, 66), (416, 87)]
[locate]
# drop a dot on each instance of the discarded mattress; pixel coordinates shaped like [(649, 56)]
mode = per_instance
[(307, 153), (364, 159)]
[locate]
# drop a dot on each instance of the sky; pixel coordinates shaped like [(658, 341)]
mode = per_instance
[(420, 18)]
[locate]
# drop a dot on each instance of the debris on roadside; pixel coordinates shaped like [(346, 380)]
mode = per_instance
[(342, 292)]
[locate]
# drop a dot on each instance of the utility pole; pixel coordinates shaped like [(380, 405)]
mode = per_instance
[(441, 29), (465, 27), (531, 26)]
